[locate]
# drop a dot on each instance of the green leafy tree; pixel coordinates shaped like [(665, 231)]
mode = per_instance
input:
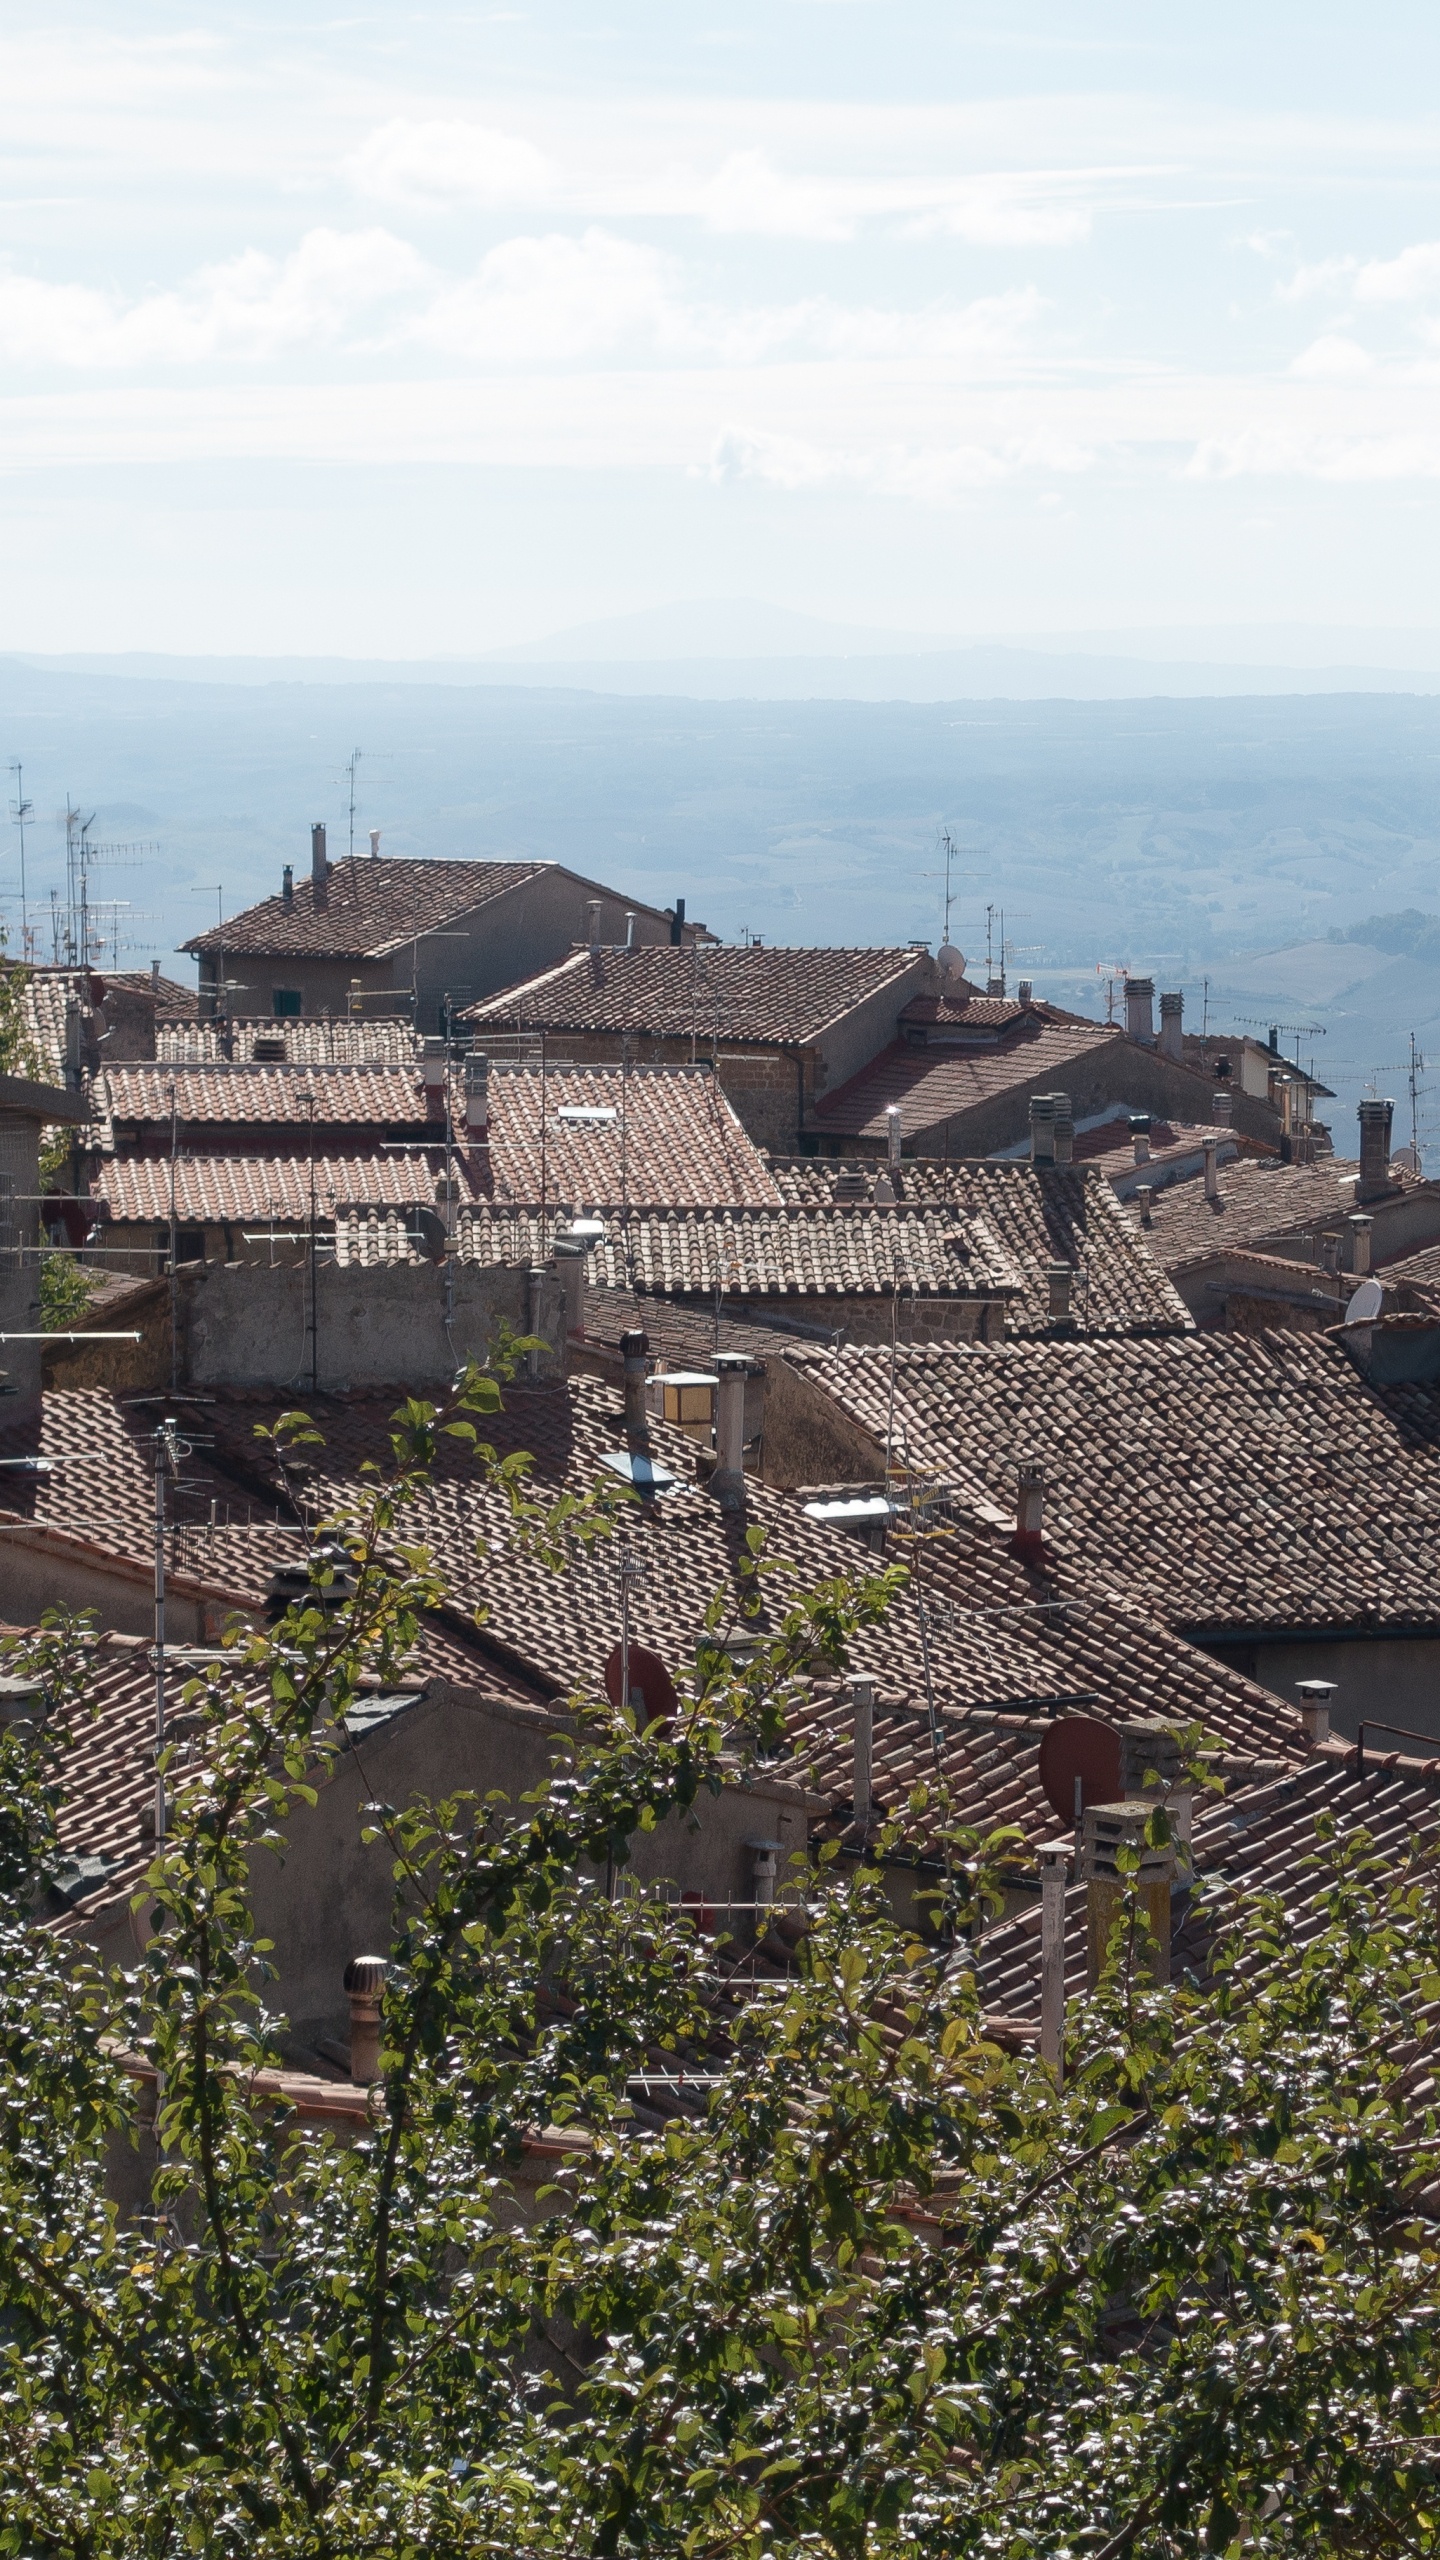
[(888, 2292), (66, 1289)]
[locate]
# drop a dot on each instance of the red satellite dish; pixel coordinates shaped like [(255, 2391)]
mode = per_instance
[(1079, 1747), (647, 1674)]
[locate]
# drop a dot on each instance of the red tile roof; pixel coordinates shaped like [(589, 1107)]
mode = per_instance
[(372, 1096), (1259, 1203), (310, 1039), (101, 1497), (210, 1189), (740, 991), (371, 909), (673, 1140), (1038, 1215), (1234, 1483), (967, 1008), (794, 1253), (931, 1086)]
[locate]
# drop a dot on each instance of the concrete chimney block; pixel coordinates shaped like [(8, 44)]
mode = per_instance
[(1064, 1129), (319, 864), (1042, 1128), (1145, 1201), (1054, 1862), (1212, 1172), (1108, 1828), (1360, 1227), (1375, 1124), (1140, 1135), (892, 1133), (1172, 1028), (1221, 1106), (1139, 1009), (1315, 1697), (634, 1353), (727, 1483), (1060, 1277), (365, 1986), (862, 1702), (1030, 1507), (592, 912)]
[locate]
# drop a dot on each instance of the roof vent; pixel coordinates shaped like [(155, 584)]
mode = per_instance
[(374, 844)]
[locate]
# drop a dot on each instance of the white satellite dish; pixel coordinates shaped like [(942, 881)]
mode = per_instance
[(1366, 1304), (952, 962)]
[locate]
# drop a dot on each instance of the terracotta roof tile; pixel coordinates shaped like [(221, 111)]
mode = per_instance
[(310, 1039), (371, 908), (222, 1093), (211, 1189), (932, 1085), (741, 992), (1236, 1483), (1259, 1203), (672, 1140)]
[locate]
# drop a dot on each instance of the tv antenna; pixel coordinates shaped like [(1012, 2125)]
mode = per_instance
[(1417, 1063), (22, 811), (952, 851)]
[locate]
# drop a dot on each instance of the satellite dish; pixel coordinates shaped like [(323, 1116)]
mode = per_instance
[(1080, 1747), (647, 1674), (952, 961), (1366, 1304)]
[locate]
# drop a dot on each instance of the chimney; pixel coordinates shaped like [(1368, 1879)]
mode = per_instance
[(570, 1256), (1108, 1828), (766, 1855), (592, 910), (319, 866), (1140, 1135), (432, 1068), (287, 887), (477, 1100), (1054, 1876), (677, 922), (535, 1315), (1060, 1277), (1030, 1510), (1042, 1128), (365, 1983), (1172, 1031), (892, 1133), (1286, 1095), (629, 928), (1212, 1174), (1359, 1226), (728, 1480), (374, 844), (1064, 1129), (1375, 1119), (633, 1349), (862, 1700), (883, 1193), (1315, 1697), (1139, 1003), (1145, 1201), (1221, 1106), (1025, 991), (1274, 1041)]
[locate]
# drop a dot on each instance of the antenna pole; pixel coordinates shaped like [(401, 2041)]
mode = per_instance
[(24, 809), (174, 1283), (162, 1434)]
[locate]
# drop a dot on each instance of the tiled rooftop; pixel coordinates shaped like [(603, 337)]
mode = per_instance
[(1004, 1638), (371, 1095), (788, 1253), (1056, 1213), (965, 1008), (310, 1039), (1232, 1482), (741, 992), (933, 1085), (210, 1189), (672, 1139), (100, 1497), (1258, 1202), (1256, 1839), (371, 908)]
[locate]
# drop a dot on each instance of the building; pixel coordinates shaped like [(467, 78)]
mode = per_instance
[(364, 936), (1272, 1498), (27, 1112), (781, 1027)]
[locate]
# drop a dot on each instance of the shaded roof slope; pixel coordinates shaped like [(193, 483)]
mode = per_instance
[(932, 1085), (370, 908), (740, 991), (1237, 1483)]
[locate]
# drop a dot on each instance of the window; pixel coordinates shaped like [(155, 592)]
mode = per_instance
[(284, 1001)]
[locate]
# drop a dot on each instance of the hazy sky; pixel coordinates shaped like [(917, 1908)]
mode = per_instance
[(411, 331)]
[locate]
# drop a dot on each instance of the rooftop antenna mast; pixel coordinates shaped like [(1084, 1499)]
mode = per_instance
[(354, 759), (22, 810), (1417, 1063)]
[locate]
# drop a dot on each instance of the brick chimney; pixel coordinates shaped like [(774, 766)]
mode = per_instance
[(1172, 1028), (1030, 1510), (365, 1984), (319, 866), (1060, 1277), (1360, 1227), (634, 1351), (1139, 1004), (1375, 1120), (1152, 1767)]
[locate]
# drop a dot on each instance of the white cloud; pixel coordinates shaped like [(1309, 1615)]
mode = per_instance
[(1006, 213), (746, 194), (1326, 275), (1412, 277), (252, 306), (935, 474), (1281, 452), (555, 300), (450, 160), (1331, 358)]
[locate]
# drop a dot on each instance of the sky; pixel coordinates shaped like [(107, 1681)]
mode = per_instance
[(419, 332)]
